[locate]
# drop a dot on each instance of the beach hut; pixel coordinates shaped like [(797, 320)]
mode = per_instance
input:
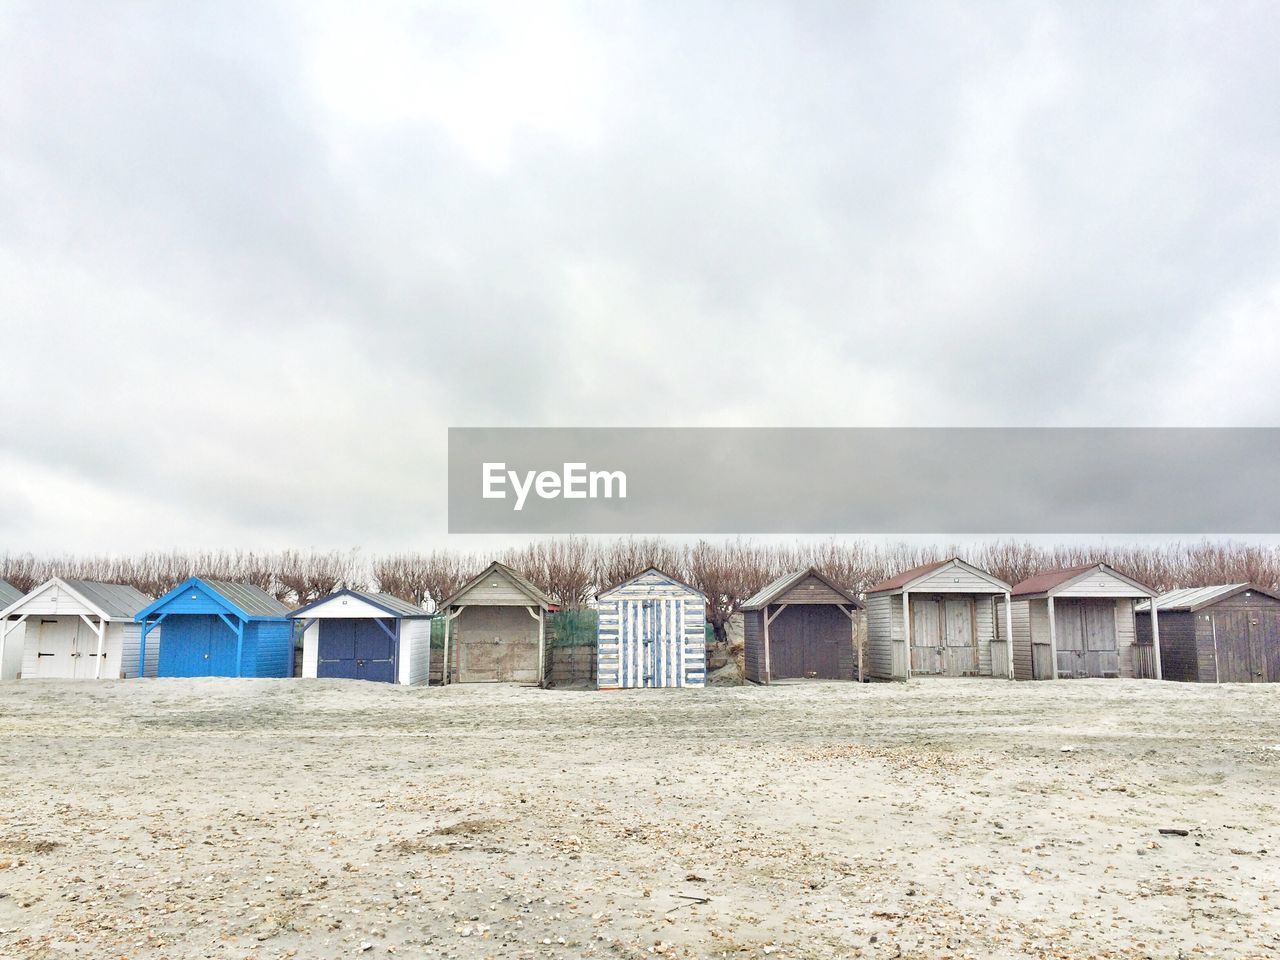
[(495, 629), (11, 645), (76, 629), (353, 635), (1079, 622), (936, 620), (801, 626), (213, 628), (1223, 634), (651, 633)]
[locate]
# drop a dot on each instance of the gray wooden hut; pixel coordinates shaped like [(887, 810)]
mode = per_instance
[(801, 626), (1079, 622), (1222, 634), (937, 619), (496, 629)]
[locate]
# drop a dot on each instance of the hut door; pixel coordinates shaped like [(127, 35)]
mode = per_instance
[(375, 652), (1068, 626), (1269, 628), (1236, 645), (960, 648), (1101, 652), (926, 636), (652, 651), (355, 649), (496, 643), (85, 657), (55, 644)]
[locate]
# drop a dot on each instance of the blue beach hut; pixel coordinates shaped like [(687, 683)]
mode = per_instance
[(213, 628)]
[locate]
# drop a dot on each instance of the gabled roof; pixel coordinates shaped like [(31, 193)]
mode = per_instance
[(908, 578), (1053, 581), (647, 570), (8, 594), (766, 594), (1191, 599), (243, 599), (523, 585), (111, 601), (392, 606)]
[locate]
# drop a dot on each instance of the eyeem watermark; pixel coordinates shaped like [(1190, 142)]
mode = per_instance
[(573, 482), (963, 481)]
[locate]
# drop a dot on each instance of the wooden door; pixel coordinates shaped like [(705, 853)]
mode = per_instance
[(336, 650), (375, 651), (1068, 632), (496, 644), (827, 634), (85, 656), (1269, 631), (1101, 653), (960, 643), (1235, 646), (786, 642), (651, 642), (927, 645), (55, 646)]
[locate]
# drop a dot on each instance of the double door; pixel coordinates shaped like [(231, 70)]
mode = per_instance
[(651, 634), (944, 640), (197, 645), (811, 641), (1085, 635), (357, 649), (66, 647)]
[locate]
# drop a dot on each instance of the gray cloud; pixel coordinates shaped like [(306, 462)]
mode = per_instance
[(256, 258)]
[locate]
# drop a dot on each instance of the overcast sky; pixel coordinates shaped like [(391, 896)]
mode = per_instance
[(256, 258)]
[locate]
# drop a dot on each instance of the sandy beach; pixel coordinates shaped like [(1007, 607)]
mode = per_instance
[(320, 819)]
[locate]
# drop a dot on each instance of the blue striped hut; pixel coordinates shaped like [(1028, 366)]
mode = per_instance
[(651, 633)]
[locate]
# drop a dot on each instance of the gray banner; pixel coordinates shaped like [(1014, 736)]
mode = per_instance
[(872, 480)]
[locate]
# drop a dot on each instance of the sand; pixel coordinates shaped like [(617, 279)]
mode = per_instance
[(318, 819)]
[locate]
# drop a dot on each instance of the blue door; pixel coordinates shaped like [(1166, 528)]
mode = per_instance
[(356, 650), (195, 645)]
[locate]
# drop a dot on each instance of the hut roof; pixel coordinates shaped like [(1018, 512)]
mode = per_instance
[(906, 576), (243, 599), (1191, 599), (1051, 581), (111, 601), (926, 571), (8, 594), (394, 606), (523, 585), (250, 599), (647, 570), (766, 594)]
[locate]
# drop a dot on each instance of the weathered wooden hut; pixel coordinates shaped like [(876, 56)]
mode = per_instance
[(1222, 634), (496, 629), (77, 629), (11, 634), (651, 633), (214, 628), (353, 635), (937, 620), (1079, 622), (801, 626)]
